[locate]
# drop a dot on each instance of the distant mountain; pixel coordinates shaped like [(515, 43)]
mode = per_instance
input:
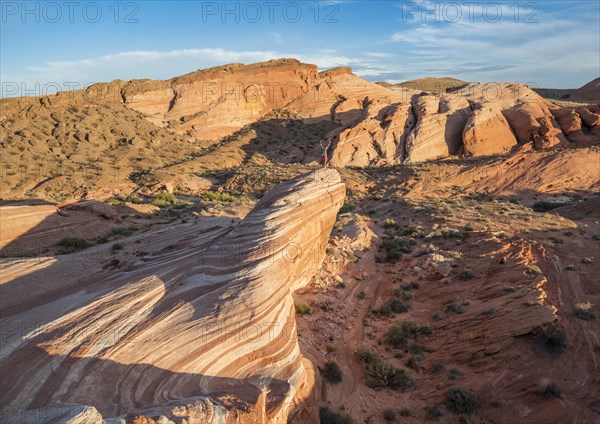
[(429, 84), (589, 93)]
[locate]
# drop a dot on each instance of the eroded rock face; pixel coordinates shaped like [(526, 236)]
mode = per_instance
[(439, 127), (213, 103), (382, 125), (484, 125), (203, 331), (477, 119)]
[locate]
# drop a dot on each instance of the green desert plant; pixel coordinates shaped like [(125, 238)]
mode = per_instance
[(551, 338), (347, 207), (332, 372), (433, 412), (72, 245), (164, 199), (584, 311), (366, 354), (328, 416), (402, 331), (302, 308), (389, 415), (461, 401), (218, 196), (381, 373)]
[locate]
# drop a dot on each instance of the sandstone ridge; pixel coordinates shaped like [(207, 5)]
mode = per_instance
[(202, 331)]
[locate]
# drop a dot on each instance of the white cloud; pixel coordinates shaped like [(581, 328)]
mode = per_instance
[(72, 74), (503, 51), (378, 54)]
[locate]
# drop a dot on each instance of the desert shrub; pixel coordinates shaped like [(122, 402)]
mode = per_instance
[(415, 231), (389, 415), (403, 294), (115, 201), (397, 307), (405, 412), (437, 368), (426, 250), (469, 227), (454, 373), (381, 373), (570, 267), (339, 224), (347, 207), (550, 338), (433, 412), (390, 223), (72, 245), (384, 310), (461, 401), (393, 306), (351, 256), (550, 390), (332, 372), (466, 274), (112, 264), (535, 270), (361, 295), (396, 246), (116, 246), (411, 286), (218, 196), (164, 199), (327, 416), (365, 354), (455, 307), (444, 232), (401, 331), (123, 231), (302, 308), (120, 200), (584, 311)]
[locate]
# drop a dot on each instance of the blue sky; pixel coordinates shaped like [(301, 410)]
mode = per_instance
[(60, 45)]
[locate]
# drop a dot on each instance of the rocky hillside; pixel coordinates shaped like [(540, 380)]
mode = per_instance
[(121, 137), (589, 93)]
